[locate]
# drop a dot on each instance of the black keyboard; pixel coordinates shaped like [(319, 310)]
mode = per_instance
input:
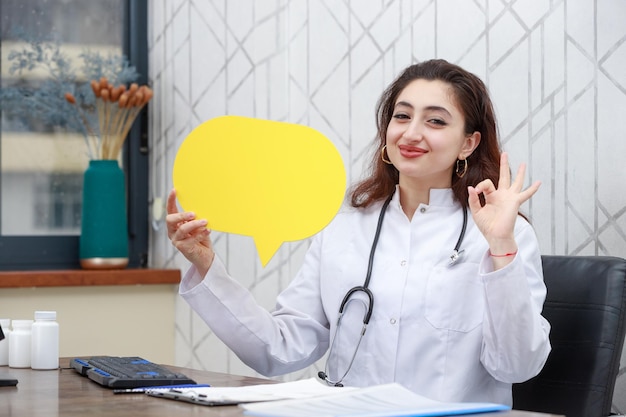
[(127, 372)]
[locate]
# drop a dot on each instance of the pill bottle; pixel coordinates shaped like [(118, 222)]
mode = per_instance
[(45, 341), (19, 344), (4, 344)]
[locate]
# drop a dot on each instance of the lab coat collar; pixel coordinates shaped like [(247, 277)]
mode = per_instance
[(439, 197)]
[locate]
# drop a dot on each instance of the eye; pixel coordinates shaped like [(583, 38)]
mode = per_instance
[(401, 116), (438, 122)]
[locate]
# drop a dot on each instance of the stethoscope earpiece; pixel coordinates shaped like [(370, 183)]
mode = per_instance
[(456, 255)]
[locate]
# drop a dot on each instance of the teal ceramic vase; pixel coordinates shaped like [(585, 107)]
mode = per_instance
[(104, 225)]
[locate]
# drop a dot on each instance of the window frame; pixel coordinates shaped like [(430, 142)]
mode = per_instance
[(19, 253)]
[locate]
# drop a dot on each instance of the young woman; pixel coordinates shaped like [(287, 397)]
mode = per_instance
[(437, 277)]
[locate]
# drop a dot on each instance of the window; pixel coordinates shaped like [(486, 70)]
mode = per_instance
[(42, 165), (57, 204)]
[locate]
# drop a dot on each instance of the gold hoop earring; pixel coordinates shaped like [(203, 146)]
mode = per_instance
[(384, 157), (461, 172)]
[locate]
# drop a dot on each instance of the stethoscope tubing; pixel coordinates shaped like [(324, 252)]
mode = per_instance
[(370, 295), (370, 265)]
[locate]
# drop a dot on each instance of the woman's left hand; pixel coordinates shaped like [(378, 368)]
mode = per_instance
[(496, 219)]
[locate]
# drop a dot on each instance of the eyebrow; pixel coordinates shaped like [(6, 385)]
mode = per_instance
[(429, 108)]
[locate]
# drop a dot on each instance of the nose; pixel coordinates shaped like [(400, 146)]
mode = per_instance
[(413, 132)]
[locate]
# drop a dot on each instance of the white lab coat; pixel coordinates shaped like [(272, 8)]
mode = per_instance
[(451, 333)]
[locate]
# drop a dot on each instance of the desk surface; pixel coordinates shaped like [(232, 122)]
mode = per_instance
[(65, 393)]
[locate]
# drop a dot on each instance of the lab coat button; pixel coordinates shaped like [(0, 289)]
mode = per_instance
[(403, 263), (392, 321), (423, 210)]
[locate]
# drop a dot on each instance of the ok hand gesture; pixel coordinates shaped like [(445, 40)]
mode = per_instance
[(496, 219)]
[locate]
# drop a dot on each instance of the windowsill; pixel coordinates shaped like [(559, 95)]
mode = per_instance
[(81, 277)]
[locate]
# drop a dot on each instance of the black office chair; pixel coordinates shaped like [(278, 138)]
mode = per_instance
[(586, 307)]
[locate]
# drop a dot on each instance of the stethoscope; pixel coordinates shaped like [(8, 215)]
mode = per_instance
[(369, 305)]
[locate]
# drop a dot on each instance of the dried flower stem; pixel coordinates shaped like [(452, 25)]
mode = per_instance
[(117, 110), (91, 148)]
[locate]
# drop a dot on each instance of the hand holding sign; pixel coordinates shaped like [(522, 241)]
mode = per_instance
[(274, 181)]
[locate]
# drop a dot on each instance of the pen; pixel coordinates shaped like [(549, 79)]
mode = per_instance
[(139, 390)]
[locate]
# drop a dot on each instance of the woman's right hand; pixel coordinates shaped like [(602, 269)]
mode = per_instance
[(189, 235)]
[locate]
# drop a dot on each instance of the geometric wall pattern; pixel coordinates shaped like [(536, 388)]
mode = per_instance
[(555, 69)]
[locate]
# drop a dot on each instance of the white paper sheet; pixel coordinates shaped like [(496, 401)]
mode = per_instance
[(313, 398), (378, 401)]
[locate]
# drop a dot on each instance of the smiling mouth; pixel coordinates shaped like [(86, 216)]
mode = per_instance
[(411, 151)]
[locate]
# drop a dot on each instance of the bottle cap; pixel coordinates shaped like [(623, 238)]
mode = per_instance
[(22, 324), (45, 315)]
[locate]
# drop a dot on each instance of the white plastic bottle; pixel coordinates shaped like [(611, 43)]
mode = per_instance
[(45, 341), (4, 344), (19, 344)]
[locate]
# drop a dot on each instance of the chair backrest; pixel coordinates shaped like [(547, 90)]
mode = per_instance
[(586, 307)]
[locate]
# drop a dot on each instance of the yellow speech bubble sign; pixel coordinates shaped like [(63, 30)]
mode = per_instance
[(276, 182)]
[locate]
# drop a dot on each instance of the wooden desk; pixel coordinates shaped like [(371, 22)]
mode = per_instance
[(65, 393)]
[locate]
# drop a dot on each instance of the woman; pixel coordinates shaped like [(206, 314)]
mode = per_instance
[(455, 299)]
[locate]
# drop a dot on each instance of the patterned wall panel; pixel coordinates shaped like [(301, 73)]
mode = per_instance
[(554, 68)]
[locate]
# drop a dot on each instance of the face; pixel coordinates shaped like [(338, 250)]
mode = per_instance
[(426, 134)]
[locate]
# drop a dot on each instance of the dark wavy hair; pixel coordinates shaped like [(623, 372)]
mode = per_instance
[(472, 98)]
